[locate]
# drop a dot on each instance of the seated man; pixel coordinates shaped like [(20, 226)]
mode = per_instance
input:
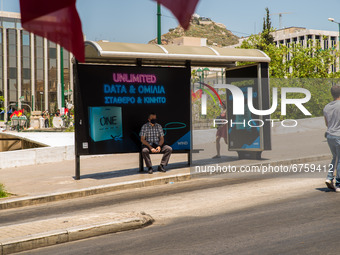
[(152, 138)]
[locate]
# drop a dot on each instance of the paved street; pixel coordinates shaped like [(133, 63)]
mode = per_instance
[(209, 216)]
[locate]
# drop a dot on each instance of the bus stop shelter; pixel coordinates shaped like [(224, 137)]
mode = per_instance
[(107, 53), (169, 55)]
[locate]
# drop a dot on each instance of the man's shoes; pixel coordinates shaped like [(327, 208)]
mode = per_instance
[(161, 169), (337, 189), (330, 185), (150, 171)]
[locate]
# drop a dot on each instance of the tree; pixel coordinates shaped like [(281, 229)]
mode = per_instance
[(267, 29), (299, 64), (1, 103), (294, 60)]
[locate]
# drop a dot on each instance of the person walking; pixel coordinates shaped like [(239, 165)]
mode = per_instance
[(332, 119)]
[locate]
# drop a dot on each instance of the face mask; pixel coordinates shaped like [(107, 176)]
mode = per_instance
[(153, 121)]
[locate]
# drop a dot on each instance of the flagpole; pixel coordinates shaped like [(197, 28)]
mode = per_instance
[(159, 31)]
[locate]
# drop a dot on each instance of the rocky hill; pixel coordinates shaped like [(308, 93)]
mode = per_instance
[(216, 33)]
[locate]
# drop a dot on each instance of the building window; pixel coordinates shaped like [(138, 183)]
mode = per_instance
[(39, 73), (325, 43), (309, 38), (8, 24), (25, 38), (67, 75), (26, 73), (52, 77), (12, 65), (302, 40), (333, 41), (18, 24), (317, 39), (13, 90), (26, 90), (12, 72)]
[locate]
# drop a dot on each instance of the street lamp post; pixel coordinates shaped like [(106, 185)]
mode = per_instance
[(205, 72), (332, 20), (199, 72), (159, 30)]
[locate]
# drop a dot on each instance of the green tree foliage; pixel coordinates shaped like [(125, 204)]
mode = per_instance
[(268, 38), (311, 65), (294, 60), (1, 103), (294, 65)]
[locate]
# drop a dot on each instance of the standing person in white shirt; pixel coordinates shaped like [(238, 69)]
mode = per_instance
[(332, 119)]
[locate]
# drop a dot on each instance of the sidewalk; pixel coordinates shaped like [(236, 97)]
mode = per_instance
[(41, 233)]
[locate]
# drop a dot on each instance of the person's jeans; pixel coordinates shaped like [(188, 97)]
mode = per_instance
[(334, 145)]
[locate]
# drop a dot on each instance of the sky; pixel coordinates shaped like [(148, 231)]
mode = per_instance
[(135, 21)]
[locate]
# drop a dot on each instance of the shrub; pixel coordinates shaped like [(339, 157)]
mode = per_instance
[(3, 192)]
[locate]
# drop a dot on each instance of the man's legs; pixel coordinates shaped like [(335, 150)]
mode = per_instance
[(166, 149), (332, 147), (146, 157), (337, 179), (218, 147)]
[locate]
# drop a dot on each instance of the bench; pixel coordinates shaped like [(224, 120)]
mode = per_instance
[(141, 160)]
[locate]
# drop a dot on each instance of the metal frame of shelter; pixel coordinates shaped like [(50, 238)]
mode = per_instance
[(114, 53)]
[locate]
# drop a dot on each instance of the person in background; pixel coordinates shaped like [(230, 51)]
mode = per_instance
[(332, 119), (152, 138), (47, 119), (222, 132)]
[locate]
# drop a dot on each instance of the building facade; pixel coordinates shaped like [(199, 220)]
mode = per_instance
[(30, 74), (286, 36), (291, 35)]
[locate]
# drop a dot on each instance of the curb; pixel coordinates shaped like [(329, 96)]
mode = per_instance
[(53, 197), (73, 234)]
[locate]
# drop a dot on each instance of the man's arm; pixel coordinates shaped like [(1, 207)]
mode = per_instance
[(161, 142), (326, 122), (142, 139)]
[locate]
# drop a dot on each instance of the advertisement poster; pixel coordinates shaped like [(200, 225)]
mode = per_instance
[(115, 101), (243, 134), (248, 131)]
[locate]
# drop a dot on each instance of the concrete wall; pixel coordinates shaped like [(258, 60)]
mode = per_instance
[(190, 41), (35, 156)]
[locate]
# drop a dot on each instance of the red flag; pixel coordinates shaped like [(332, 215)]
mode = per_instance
[(17, 113), (182, 9), (20, 113), (58, 21)]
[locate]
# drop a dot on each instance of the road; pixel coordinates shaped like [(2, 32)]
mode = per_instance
[(210, 216)]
